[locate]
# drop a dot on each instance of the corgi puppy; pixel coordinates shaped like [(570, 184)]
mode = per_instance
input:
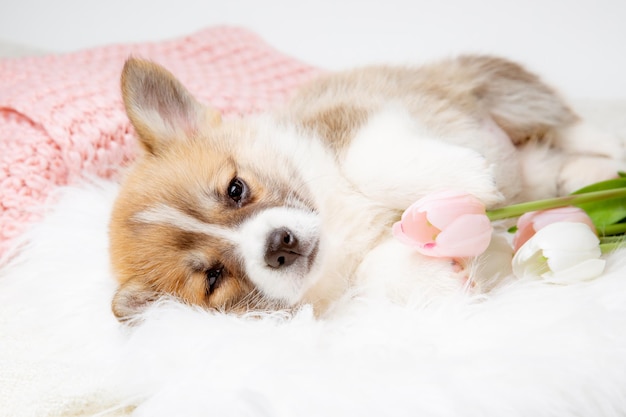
[(274, 210)]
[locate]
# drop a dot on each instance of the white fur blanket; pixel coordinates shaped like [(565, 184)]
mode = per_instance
[(529, 349)]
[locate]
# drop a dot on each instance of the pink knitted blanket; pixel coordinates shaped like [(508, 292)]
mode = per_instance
[(61, 116)]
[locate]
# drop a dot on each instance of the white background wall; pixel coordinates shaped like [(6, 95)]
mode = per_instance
[(578, 45)]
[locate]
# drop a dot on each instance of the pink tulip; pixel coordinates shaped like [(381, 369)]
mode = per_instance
[(530, 223), (448, 224)]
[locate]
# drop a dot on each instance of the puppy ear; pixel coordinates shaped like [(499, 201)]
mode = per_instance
[(160, 107), (132, 298)]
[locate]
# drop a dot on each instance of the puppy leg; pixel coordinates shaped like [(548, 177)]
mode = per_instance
[(589, 155), (400, 274), (578, 171), (585, 138), (577, 156), (559, 153), (394, 164)]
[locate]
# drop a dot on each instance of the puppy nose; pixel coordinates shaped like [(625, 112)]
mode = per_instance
[(282, 248)]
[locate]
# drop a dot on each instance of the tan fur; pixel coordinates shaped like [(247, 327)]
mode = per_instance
[(165, 265), (336, 124), (454, 92)]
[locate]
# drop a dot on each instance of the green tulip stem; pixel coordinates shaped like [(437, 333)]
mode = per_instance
[(613, 239), (517, 210), (613, 229), (611, 246)]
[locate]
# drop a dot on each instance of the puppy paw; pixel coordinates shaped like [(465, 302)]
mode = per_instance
[(409, 164), (461, 268), (579, 171), (400, 274), (585, 138)]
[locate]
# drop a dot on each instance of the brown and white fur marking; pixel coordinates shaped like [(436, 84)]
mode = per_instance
[(293, 206)]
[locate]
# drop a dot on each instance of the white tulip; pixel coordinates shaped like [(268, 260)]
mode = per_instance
[(560, 253)]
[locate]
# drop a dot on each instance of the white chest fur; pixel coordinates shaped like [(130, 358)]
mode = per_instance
[(394, 161)]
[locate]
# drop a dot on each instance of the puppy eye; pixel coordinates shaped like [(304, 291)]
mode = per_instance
[(213, 276), (237, 190)]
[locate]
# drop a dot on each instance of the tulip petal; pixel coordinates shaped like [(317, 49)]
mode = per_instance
[(529, 223), (529, 262), (566, 236), (559, 260), (525, 229), (469, 235), (432, 250), (561, 252), (442, 213), (399, 234), (523, 234), (441, 196), (583, 271), (562, 214), (416, 227), (424, 222)]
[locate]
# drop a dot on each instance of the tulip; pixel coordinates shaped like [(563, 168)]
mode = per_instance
[(448, 224), (531, 222), (561, 252)]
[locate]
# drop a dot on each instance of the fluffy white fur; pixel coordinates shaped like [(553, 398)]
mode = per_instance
[(527, 349), (374, 166)]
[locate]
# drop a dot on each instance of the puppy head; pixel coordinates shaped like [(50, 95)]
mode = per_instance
[(214, 212)]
